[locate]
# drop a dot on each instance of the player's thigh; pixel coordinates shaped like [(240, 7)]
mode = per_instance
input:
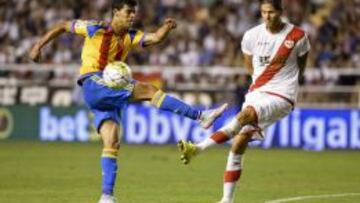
[(247, 116), (266, 108), (109, 132), (143, 92), (274, 111)]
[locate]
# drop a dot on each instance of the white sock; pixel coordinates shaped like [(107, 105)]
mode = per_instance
[(208, 142), (231, 175), (233, 128), (223, 135), (218, 137)]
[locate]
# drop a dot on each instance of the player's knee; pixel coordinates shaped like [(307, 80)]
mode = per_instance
[(247, 117), (115, 145), (248, 130), (242, 139), (111, 149), (112, 143)]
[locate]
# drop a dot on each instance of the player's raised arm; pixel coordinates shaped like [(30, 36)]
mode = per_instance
[(53, 33), (160, 34)]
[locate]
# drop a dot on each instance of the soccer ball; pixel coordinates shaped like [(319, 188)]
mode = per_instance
[(117, 74)]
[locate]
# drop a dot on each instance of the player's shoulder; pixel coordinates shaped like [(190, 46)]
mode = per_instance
[(292, 26), (91, 23), (133, 32), (296, 31), (255, 31), (94, 26), (256, 28)]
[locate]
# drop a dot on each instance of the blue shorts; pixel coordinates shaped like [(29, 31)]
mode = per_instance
[(105, 103)]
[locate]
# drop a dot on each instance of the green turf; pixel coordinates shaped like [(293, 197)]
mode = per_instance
[(69, 173)]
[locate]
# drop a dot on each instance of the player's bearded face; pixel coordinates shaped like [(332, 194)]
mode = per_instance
[(270, 15), (125, 16)]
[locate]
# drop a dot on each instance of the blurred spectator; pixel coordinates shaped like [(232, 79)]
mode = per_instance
[(209, 31)]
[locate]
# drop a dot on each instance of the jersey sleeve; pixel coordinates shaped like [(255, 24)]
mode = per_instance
[(79, 27), (85, 28), (246, 47), (137, 38), (303, 46)]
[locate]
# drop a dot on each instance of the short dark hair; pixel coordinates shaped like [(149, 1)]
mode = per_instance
[(277, 4), (118, 4)]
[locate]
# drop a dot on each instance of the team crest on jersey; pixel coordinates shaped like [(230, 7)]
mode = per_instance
[(289, 44)]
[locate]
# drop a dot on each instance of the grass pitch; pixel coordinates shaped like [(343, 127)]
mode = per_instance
[(34, 172)]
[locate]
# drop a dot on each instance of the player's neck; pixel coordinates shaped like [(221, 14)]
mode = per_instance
[(276, 28), (118, 29)]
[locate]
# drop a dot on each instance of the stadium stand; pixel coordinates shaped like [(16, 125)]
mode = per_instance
[(206, 40), (205, 37)]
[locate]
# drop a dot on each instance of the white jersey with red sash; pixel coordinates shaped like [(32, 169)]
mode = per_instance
[(275, 59)]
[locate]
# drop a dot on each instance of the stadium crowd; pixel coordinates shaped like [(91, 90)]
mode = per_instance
[(209, 31)]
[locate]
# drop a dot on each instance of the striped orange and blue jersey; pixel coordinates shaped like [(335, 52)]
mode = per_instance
[(102, 45)]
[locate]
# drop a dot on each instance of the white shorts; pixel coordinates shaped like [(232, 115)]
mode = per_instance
[(269, 109)]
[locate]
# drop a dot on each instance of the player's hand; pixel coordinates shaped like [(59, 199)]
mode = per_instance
[(35, 54), (170, 22)]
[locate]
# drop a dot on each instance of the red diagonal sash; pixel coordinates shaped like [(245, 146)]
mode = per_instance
[(104, 49), (120, 49), (280, 58)]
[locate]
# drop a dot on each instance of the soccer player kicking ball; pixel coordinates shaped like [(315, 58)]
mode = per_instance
[(275, 54), (105, 43)]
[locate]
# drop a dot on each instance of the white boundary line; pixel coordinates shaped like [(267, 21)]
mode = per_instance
[(292, 199)]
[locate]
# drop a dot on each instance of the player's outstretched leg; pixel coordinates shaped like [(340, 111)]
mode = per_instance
[(109, 134), (166, 102), (208, 117), (163, 101), (189, 150)]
